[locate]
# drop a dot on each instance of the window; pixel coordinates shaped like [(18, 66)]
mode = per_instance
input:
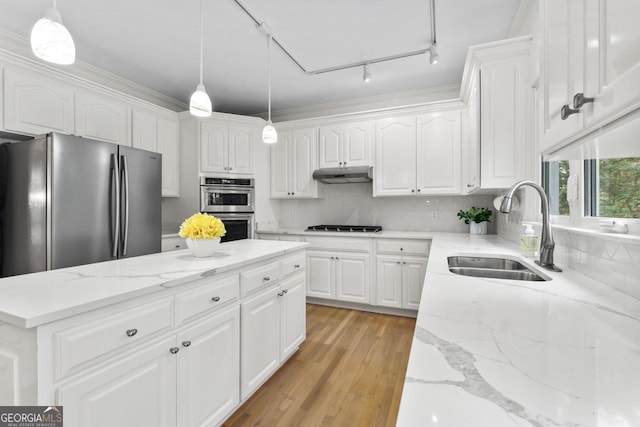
[(555, 176), (612, 187)]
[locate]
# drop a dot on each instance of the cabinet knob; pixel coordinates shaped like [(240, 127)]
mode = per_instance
[(579, 100), (215, 299), (413, 191), (404, 262), (266, 279), (567, 111), (177, 246), (418, 190), (469, 185), (285, 291), (340, 163), (131, 332), (402, 249), (226, 168), (397, 262), (186, 343), (174, 350), (280, 294), (230, 169), (296, 266), (333, 257)]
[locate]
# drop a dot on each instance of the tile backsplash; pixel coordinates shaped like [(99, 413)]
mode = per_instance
[(354, 204), (611, 259)]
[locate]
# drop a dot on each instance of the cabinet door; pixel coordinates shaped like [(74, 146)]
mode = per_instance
[(208, 370), (330, 146), (134, 391), (279, 173), (36, 105), (353, 277), (320, 274), (240, 141), (504, 100), (389, 280), (303, 162), (438, 153), (214, 146), (98, 117), (168, 141), (357, 144), (395, 169), (293, 315), (615, 83), (563, 67), (260, 329), (144, 130), (471, 141), (413, 273)]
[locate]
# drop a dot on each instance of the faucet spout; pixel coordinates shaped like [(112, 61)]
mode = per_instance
[(547, 244)]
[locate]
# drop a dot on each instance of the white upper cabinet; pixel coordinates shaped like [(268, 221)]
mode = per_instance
[(226, 148), (34, 104), (347, 144), (438, 153), (471, 141), (395, 169), (418, 154), (102, 118), (293, 160), (160, 133), (591, 47)]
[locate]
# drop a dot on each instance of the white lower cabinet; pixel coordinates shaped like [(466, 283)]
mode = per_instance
[(342, 276), (399, 280), (293, 315), (138, 390)]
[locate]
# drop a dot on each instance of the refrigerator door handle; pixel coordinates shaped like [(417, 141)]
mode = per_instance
[(125, 191), (115, 188)]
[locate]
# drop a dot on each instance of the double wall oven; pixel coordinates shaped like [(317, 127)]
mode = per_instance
[(233, 201)]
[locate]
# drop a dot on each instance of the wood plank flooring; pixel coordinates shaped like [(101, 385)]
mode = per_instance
[(349, 372)]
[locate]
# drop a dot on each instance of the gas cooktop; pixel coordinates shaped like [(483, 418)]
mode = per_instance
[(346, 228)]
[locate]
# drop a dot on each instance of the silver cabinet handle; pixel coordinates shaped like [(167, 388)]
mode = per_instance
[(296, 266), (567, 111), (579, 100), (266, 279), (116, 197), (215, 299), (125, 173), (131, 332), (174, 350), (186, 343)]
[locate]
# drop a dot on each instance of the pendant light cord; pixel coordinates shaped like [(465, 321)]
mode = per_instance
[(433, 21), (269, 72), (201, 41)]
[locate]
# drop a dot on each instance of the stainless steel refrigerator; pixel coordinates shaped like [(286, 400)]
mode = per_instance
[(66, 200)]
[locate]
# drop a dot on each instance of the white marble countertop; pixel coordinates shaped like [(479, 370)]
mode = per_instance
[(490, 352), (33, 299), (384, 234)]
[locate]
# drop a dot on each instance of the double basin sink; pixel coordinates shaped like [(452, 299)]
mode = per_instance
[(494, 268)]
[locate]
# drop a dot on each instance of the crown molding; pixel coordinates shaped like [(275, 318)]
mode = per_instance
[(17, 49)]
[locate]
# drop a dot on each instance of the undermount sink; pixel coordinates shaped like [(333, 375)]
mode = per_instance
[(494, 268)]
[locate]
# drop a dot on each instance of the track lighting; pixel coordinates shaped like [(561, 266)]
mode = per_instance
[(269, 133), (50, 39), (434, 57), (366, 75), (200, 103)]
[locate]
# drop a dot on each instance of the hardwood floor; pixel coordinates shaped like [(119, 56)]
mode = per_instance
[(349, 372)]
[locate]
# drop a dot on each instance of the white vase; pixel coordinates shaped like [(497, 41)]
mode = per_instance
[(478, 228), (201, 248)]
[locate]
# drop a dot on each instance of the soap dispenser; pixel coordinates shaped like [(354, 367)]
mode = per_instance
[(529, 242)]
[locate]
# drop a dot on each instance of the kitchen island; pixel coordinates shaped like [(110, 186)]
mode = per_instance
[(155, 340), (491, 352)]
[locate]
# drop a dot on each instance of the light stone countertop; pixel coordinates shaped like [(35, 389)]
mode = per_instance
[(34, 299), (489, 352), (380, 234)]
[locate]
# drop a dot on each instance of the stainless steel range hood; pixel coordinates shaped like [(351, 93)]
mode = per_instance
[(344, 175)]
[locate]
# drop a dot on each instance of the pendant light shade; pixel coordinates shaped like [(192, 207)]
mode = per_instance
[(50, 39), (434, 57), (269, 133), (366, 74), (200, 103)]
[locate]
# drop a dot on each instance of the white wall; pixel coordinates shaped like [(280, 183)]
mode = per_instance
[(354, 204)]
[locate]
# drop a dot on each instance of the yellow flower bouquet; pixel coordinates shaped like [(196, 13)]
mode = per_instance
[(202, 233), (202, 226)]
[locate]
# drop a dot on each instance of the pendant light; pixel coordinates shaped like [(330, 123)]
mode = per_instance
[(366, 74), (269, 134), (50, 39), (434, 57), (200, 103)]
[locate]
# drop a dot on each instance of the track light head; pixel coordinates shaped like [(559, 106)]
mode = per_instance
[(434, 57), (366, 75)]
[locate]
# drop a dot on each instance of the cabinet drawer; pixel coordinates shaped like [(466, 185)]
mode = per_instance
[(356, 244), (293, 264), (74, 346), (259, 277), (207, 297), (173, 244), (405, 246)]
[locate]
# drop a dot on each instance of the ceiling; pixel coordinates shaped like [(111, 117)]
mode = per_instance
[(156, 43)]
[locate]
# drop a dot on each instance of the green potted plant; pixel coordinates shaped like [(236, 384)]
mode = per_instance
[(477, 217)]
